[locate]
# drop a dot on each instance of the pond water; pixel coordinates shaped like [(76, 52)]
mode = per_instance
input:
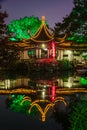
[(39, 101)]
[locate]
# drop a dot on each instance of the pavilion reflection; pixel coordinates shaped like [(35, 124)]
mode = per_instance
[(25, 104), (41, 95), (71, 81)]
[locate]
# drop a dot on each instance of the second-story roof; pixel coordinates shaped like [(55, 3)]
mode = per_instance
[(43, 34)]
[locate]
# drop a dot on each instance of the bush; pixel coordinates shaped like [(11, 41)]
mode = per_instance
[(65, 65), (21, 67)]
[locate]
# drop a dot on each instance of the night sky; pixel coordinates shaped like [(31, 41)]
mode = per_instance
[(53, 10)]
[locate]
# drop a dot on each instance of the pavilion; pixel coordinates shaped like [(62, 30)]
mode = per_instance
[(44, 46), (41, 46)]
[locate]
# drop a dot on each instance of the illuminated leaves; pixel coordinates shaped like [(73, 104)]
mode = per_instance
[(24, 27), (83, 81), (17, 105)]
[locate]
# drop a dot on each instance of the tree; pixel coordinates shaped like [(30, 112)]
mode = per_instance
[(3, 15), (78, 114), (74, 24), (8, 54), (23, 28), (79, 35), (16, 104)]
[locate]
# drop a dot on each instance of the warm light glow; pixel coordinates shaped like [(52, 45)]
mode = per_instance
[(43, 112), (69, 82), (43, 19), (7, 83), (26, 98), (69, 85), (48, 33), (43, 45), (60, 99), (43, 94), (69, 51), (28, 91)]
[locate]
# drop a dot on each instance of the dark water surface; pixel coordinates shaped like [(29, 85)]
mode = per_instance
[(10, 120), (46, 92)]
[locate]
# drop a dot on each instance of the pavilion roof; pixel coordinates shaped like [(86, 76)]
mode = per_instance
[(21, 44), (72, 45), (43, 34)]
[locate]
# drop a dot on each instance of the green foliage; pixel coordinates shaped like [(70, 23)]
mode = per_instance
[(17, 105), (80, 3), (78, 116), (80, 35), (85, 57), (23, 28), (74, 24), (65, 64), (83, 81)]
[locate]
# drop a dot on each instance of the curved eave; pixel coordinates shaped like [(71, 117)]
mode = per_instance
[(21, 45), (49, 34), (61, 39), (40, 41), (43, 34), (72, 46), (42, 28), (60, 42)]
